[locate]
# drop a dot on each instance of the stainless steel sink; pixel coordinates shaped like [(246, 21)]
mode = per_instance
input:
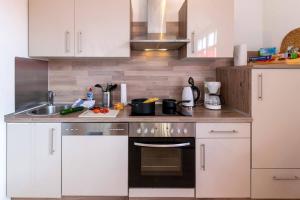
[(47, 110)]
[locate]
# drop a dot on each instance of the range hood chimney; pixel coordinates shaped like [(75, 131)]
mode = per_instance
[(157, 16), (157, 37)]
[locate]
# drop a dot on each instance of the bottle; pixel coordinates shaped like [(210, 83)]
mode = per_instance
[(90, 95)]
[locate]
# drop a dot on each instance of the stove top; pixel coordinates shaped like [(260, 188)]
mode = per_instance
[(159, 112)]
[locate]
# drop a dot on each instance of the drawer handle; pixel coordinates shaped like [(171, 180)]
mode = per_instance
[(223, 132), (295, 178), (260, 87), (117, 129), (202, 158)]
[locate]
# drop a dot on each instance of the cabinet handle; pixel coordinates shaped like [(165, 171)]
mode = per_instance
[(193, 42), (223, 132), (67, 41), (202, 158), (79, 42), (51, 141), (260, 87), (295, 178)]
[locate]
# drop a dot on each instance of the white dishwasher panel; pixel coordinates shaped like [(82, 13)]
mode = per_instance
[(95, 165)]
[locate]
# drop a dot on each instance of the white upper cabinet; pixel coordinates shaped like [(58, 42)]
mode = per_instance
[(51, 28), (210, 27), (34, 160), (102, 28), (80, 28), (276, 112)]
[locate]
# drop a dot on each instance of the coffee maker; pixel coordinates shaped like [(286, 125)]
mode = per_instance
[(212, 99)]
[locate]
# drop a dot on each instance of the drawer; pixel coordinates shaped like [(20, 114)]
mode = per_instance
[(223, 130), (275, 184)]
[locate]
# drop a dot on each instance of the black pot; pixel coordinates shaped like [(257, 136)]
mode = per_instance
[(139, 108), (169, 106)]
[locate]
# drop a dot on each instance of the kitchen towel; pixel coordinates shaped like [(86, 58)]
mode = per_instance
[(240, 55)]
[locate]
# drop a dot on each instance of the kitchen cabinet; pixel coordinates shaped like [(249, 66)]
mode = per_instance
[(223, 161), (51, 28), (79, 28), (33, 160), (98, 169), (275, 184), (102, 28), (275, 111), (210, 27)]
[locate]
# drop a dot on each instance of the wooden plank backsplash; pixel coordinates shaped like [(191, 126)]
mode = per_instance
[(147, 74)]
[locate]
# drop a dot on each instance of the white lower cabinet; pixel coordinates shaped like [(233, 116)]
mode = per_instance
[(275, 184), (34, 160), (223, 161), (95, 166)]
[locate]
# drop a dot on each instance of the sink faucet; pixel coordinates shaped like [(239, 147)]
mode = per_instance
[(50, 98)]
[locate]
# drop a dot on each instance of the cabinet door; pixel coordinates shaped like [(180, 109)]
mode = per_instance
[(34, 160), (210, 26), (276, 112), (51, 28), (102, 28), (223, 168), (95, 166)]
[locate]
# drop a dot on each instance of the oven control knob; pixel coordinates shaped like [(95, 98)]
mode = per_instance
[(152, 131), (185, 131), (172, 131), (139, 131), (178, 131), (145, 131)]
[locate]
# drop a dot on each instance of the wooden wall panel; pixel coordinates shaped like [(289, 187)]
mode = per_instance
[(146, 74), (236, 87)]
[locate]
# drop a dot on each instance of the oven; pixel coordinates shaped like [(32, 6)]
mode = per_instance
[(162, 155)]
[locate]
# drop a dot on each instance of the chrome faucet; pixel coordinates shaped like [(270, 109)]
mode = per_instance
[(50, 98)]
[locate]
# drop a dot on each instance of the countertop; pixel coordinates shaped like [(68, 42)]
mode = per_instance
[(226, 115)]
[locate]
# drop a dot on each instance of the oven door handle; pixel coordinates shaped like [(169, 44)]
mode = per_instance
[(162, 145)]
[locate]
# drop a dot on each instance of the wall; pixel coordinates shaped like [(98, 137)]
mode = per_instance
[(13, 42), (249, 23), (146, 75), (280, 17)]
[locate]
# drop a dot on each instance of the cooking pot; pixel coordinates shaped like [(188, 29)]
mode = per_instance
[(169, 106), (139, 108)]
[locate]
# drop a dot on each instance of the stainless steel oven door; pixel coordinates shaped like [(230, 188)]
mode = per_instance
[(162, 162)]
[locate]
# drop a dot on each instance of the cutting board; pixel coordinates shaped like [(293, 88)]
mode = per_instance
[(110, 114)]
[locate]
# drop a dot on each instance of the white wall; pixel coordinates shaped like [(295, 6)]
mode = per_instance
[(13, 42), (249, 23), (280, 17)]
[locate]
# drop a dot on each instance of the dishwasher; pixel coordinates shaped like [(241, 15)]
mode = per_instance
[(95, 159)]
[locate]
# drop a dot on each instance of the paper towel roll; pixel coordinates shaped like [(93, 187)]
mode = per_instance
[(124, 93), (240, 55)]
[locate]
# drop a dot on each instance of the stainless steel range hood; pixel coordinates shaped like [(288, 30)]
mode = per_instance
[(157, 37)]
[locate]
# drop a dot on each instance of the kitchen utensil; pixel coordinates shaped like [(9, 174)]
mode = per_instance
[(171, 106), (139, 108), (190, 93), (107, 99), (91, 114), (99, 86)]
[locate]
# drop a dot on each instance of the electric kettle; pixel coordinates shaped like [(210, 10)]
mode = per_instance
[(190, 93)]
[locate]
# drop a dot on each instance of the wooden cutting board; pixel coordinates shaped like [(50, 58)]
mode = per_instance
[(110, 114)]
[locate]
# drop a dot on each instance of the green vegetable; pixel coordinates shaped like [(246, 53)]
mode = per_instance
[(71, 110)]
